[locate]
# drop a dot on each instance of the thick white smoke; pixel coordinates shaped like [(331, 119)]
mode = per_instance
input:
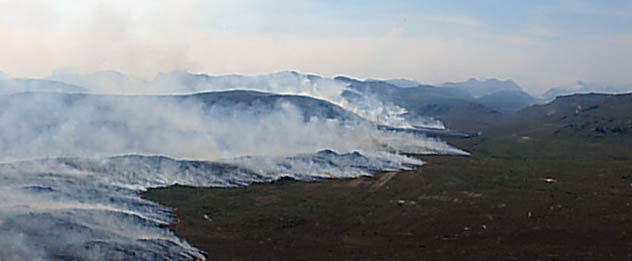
[(37, 125), (369, 107), (74, 163)]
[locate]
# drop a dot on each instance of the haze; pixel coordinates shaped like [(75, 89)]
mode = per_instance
[(539, 44)]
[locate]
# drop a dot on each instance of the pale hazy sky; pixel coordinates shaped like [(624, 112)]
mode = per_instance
[(539, 44)]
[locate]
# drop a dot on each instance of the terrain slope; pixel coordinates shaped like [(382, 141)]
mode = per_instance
[(548, 182)]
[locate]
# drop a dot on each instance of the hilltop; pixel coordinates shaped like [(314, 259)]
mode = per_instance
[(589, 116)]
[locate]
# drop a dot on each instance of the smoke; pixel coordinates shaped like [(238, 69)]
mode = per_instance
[(366, 105), (37, 125), (74, 163)]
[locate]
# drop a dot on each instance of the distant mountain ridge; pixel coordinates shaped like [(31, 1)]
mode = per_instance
[(453, 106), (583, 87), (179, 82), (450, 102), (503, 96), (96, 81), (17, 85), (399, 82), (478, 88)]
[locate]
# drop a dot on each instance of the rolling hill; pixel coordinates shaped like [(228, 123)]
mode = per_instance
[(256, 102), (507, 101), (456, 108), (310, 107), (586, 115)]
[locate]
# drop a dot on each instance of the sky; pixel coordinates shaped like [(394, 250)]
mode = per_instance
[(538, 44)]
